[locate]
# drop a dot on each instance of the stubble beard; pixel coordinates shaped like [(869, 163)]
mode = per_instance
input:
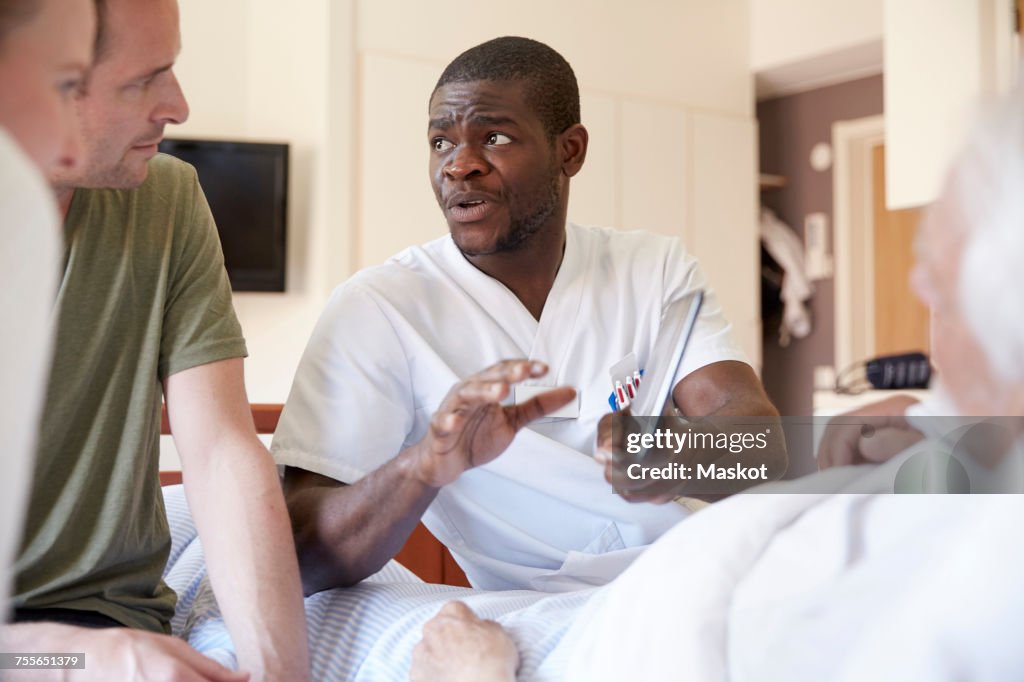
[(118, 176), (522, 228)]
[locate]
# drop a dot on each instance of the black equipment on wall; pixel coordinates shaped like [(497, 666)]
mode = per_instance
[(246, 184)]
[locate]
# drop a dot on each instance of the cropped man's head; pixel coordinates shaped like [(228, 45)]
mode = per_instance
[(970, 267), (132, 94), (549, 84), (15, 13), (505, 138), (45, 53)]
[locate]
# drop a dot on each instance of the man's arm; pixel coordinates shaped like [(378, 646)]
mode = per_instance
[(732, 389), (235, 496), (345, 533), (723, 389), (111, 654)]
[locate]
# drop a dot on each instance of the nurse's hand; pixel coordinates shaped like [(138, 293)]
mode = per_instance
[(472, 427), (605, 449)]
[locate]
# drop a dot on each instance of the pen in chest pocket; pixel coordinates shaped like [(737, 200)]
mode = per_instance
[(666, 356)]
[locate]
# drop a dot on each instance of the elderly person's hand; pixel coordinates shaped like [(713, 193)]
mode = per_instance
[(458, 646), (872, 433)]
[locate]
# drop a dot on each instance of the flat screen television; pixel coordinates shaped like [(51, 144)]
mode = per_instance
[(246, 184)]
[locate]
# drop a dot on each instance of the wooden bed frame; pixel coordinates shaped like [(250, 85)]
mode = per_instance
[(422, 554)]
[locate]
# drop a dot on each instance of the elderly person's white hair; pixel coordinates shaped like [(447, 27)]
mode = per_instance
[(988, 190)]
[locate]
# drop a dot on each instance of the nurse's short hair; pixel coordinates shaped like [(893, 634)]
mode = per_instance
[(14, 13), (987, 189), (550, 86)]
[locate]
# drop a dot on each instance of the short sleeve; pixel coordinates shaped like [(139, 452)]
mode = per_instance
[(199, 324), (712, 340), (351, 406)]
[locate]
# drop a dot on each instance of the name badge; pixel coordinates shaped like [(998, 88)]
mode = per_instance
[(569, 411)]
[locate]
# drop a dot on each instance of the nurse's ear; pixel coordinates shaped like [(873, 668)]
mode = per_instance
[(571, 147)]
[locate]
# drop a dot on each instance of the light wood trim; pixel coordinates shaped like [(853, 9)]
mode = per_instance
[(901, 321), (769, 181), (854, 293)]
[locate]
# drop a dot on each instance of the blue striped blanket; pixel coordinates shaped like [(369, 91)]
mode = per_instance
[(366, 632)]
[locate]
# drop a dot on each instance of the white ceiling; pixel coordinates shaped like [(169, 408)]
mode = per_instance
[(798, 45), (845, 64)]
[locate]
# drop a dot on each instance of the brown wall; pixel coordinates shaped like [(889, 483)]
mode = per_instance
[(789, 127)]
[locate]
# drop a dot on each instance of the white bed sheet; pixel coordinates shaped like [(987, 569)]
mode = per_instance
[(804, 586), (842, 586)]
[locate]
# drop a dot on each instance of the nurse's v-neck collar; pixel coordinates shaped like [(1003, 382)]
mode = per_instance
[(546, 339)]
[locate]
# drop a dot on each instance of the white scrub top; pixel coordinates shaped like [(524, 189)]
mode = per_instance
[(396, 337), (30, 267)]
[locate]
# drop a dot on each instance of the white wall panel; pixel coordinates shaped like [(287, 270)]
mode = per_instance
[(941, 57), (724, 191), (217, 89), (694, 51), (397, 207), (655, 156), (594, 193), (786, 31)]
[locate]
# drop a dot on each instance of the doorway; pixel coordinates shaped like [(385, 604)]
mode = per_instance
[(901, 320), (875, 311)]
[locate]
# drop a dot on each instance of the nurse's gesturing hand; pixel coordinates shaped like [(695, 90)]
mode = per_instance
[(472, 427)]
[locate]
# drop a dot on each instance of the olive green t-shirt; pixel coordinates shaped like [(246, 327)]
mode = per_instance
[(144, 295)]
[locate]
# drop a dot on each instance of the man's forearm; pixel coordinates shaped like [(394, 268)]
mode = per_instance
[(347, 533), (240, 513), (110, 654), (39, 638)]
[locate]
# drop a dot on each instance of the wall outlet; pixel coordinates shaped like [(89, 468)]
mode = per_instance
[(824, 378)]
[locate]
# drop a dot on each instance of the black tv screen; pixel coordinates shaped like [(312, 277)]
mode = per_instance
[(246, 184)]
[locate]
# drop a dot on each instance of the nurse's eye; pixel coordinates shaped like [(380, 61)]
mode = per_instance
[(498, 138), (441, 145)]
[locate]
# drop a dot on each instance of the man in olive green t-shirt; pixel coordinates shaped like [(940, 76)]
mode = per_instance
[(144, 310), (144, 296)]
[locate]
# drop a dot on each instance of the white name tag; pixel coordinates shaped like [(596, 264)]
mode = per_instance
[(570, 411)]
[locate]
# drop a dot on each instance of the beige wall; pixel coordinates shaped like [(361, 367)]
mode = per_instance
[(786, 31), (937, 72), (667, 96)]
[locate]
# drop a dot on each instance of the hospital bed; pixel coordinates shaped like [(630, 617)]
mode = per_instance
[(366, 632), (808, 584)]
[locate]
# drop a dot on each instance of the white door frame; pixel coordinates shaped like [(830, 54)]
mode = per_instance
[(853, 216)]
